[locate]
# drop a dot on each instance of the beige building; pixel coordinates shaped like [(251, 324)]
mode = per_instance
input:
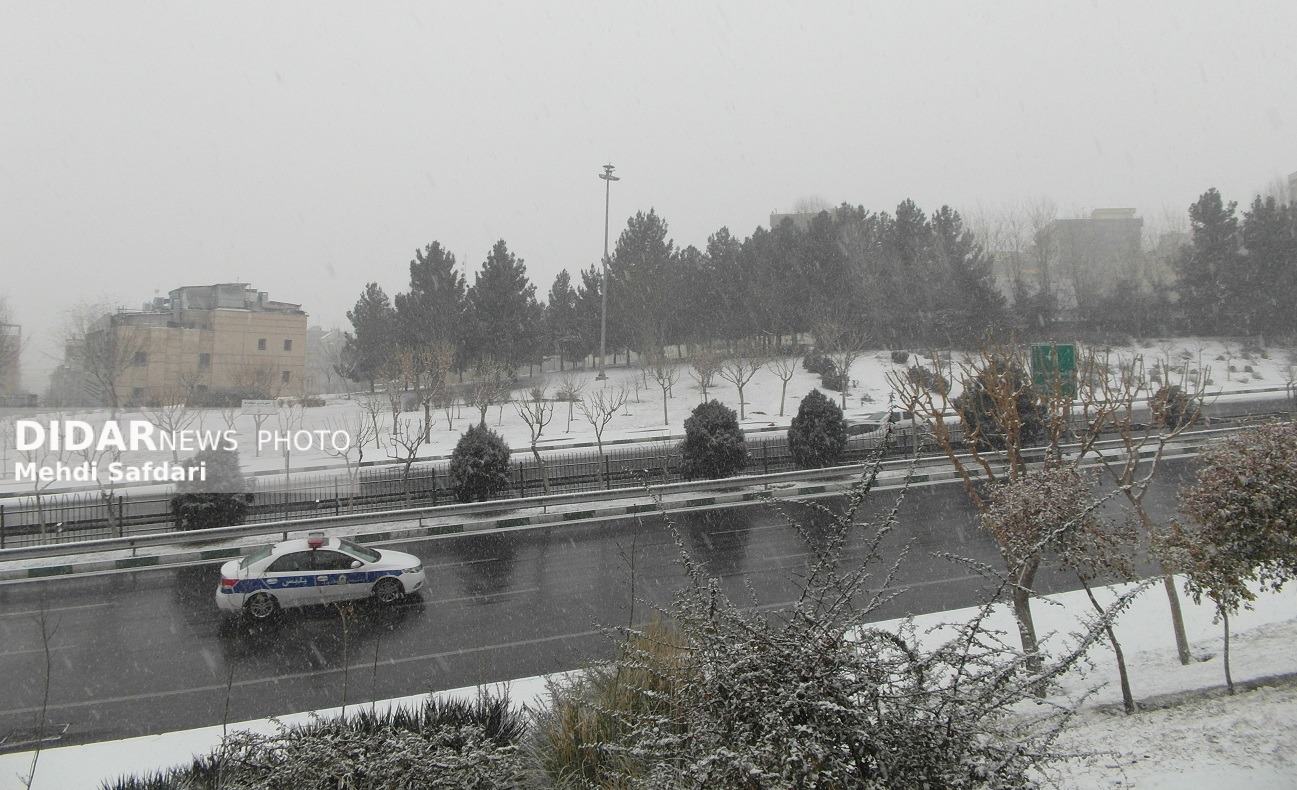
[(199, 339)]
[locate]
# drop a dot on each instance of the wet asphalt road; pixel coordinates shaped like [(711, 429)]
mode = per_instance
[(146, 652)]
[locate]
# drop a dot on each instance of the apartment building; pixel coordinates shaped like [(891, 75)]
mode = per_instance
[(226, 337)]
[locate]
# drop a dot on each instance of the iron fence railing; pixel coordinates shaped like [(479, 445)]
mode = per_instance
[(88, 516)]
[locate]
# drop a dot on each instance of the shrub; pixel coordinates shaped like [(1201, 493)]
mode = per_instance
[(818, 434), (1173, 408), (479, 466), (818, 363), (224, 398), (834, 381), (218, 500), (443, 743), (900, 357), (714, 446), (927, 378)]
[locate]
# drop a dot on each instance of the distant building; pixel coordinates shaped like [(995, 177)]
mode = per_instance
[(801, 221), (1091, 254), (225, 337)]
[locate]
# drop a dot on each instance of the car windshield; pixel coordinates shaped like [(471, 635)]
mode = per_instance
[(368, 555), (256, 556)]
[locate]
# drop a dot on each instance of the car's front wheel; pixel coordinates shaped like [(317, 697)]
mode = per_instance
[(388, 591), (261, 606)]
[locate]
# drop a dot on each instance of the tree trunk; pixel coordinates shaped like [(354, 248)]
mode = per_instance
[(1127, 698), (1023, 577), (1177, 618), (1229, 679), (544, 473)]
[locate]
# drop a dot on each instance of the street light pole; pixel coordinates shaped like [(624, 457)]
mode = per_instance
[(608, 178)]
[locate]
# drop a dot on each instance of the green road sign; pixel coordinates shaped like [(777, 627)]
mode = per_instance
[(1054, 366)]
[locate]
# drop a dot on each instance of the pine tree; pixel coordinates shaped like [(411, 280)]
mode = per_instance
[(505, 319), (817, 436)]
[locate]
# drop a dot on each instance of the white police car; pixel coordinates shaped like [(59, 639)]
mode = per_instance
[(313, 571)]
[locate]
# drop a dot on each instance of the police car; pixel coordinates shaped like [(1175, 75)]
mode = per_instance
[(315, 570)]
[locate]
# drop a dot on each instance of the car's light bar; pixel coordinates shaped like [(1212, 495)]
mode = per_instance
[(315, 540)]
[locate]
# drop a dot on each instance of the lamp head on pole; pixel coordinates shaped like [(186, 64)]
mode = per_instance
[(607, 175)]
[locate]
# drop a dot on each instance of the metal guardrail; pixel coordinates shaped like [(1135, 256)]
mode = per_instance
[(1188, 442)]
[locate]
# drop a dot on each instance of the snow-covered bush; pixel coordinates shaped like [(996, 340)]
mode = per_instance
[(219, 499), (445, 744), (714, 446), (817, 436), (479, 465)]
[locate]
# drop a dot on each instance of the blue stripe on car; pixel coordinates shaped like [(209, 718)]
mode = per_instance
[(246, 586)]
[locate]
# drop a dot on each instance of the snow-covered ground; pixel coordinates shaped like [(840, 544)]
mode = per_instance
[(1200, 739), (640, 419)]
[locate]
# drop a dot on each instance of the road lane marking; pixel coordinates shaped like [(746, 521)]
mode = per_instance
[(37, 612), (441, 656), (36, 650)]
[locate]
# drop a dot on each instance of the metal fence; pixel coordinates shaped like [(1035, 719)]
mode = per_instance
[(73, 517)]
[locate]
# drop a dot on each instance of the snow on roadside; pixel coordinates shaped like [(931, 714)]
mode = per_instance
[(1207, 742)]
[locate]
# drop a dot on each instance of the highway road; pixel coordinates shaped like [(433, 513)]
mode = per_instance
[(145, 652)]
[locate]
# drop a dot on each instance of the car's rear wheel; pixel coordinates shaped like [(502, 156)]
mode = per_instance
[(388, 591), (261, 606)]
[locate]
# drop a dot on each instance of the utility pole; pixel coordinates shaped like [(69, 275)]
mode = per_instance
[(608, 178)]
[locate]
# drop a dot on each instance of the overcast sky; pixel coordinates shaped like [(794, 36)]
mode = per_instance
[(308, 148)]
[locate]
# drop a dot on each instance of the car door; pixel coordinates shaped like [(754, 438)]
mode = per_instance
[(289, 578), (334, 576)]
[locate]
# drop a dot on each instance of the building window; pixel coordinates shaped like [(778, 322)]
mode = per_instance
[(204, 360), (141, 359), (288, 345), (137, 393), (288, 374), (261, 344)]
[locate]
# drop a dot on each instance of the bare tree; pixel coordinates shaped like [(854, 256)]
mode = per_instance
[(598, 408), (740, 366), (570, 387), (169, 411), (104, 348), (999, 412), (360, 431), (425, 366), (536, 411), (785, 368), (703, 369), (490, 387), (47, 637), (371, 404), (666, 373), (843, 345), (406, 441), (1110, 389)]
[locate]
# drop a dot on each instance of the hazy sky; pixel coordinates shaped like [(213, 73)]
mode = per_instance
[(308, 148)]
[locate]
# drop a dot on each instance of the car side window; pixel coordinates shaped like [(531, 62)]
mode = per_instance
[(332, 561), (291, 563)]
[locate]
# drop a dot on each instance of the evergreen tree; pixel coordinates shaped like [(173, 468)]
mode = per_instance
[(1207, 267), (562, 327), (714, 446), (376, 333), (969, 300), (642, 281), (432, 310), (504, 317), (1268, 285), (817, 436), (479, 465)]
